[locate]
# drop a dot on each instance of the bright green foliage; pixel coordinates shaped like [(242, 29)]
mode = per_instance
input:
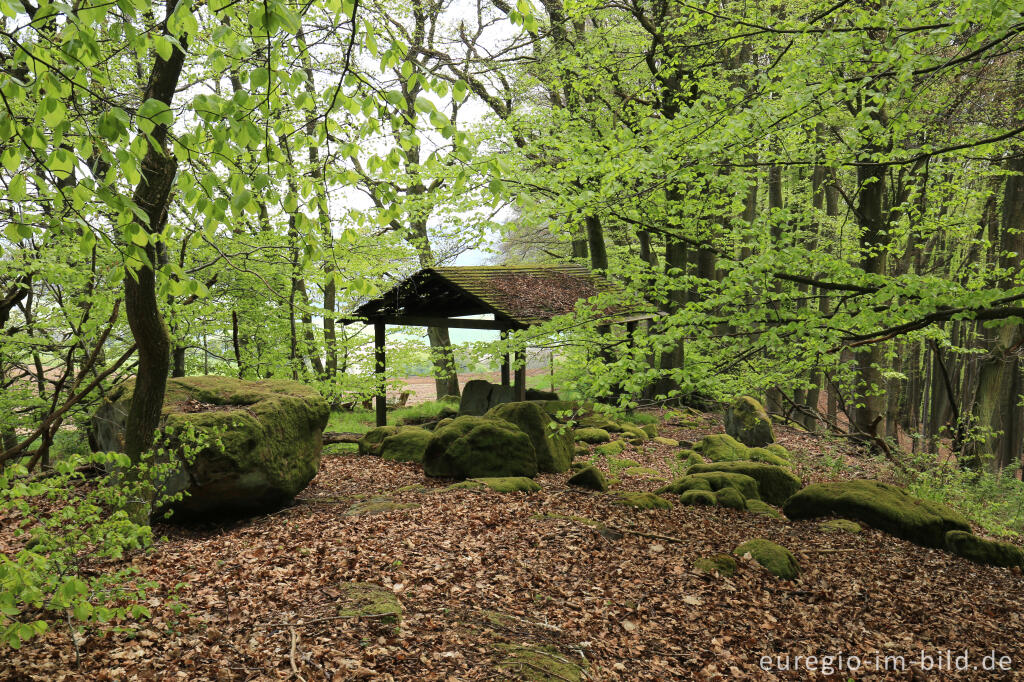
[(983, 551), (590, 477), (642, 500), (471, 447), (552, 445), (589, 435), (407, 445), (714, 481), (775, 558), (722, 564), (774, 484), (881, 506)]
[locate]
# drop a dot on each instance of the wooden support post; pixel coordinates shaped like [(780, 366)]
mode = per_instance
[(378, 354), (520, 386), (505, 378)]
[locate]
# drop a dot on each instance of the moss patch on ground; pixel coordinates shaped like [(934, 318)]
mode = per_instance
[(840, 526), (722, 564), (764, 509), (508, 484), (610, 449), (539, 664), (879, 505), (366, 600), (378, 505), (776, 559), (642, 500)]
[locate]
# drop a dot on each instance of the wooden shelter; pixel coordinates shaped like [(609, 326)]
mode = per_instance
[(517, 297)]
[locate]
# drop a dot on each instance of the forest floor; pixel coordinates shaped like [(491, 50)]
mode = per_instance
[(481, 574)]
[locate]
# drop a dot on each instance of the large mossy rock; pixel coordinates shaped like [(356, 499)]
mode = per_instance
[(591, 435), (713, 481), (269, 433), (747, 421), (369, 444), (590, 477), (479, 396), (721, 447), (408, 444), (775, 484), (553, 446), (479, 447), (776, 559), (880, 505), (982, 551)]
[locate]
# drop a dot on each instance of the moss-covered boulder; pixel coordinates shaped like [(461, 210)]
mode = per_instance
[(775, 484), (689, 458), (721, 447), (982, 551), (592, 436), (713, 481), (764, 509), (732, 498), (408, 444), (767, 456), (696, 497), (263, 440), (366, 600), (553, 446), (599, 421), (564, 411), (634, 434), (841, 526), (611, 449), (369, 444), (473, 447), (747, 421), (580, 450), (776, 559), (660, 440), (651, 430), (480, 395), (722, 564), (642, 501), (590, 477), (645, 472), (879, 505)]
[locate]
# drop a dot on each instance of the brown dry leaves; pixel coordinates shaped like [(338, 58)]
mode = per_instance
[(476, 569)]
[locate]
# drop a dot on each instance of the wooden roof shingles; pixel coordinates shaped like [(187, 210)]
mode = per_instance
[(522, 295)]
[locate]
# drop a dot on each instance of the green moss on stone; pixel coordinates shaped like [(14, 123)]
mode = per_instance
[(704, 498), (580, 450), (365, 600), (840, 526), (731, 497), (651, 430), (671, 442), (599, 421), (553, 446), (646, 472), (473, 447), (369, 444), (879, 505), (774, 484), (611, 449), (590, 477), (722, 564), (721, 447), (590, 435), (776, 559), (764, 509), (690, 458), (714, 481), (634, 434), (747, 421), (642, 501), (407, 445), (767, 456), (982, 551)]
